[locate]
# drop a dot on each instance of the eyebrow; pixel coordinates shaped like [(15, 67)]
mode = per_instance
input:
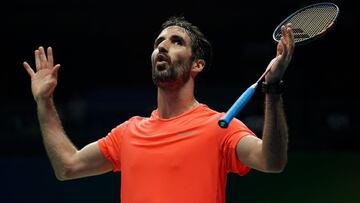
[(172, 37), (158, 40), (177, 37)]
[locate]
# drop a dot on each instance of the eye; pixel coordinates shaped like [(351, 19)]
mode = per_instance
[(157, 42), (178, 42)]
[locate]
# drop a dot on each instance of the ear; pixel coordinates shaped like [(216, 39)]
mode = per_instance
[(197, 66)]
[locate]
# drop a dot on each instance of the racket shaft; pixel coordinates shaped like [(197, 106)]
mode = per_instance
[(237, 106)]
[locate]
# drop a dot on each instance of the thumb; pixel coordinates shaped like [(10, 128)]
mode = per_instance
[(56, 69), (28, 69)]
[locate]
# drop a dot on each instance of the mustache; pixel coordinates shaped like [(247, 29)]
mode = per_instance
[(162, 57)]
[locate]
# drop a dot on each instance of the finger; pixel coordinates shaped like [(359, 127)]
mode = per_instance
[(284, 42), (284, 47), (280, 47), (283, 32), (291, 41), (29, 69), (289, 35), (288, 42), (50, 56), (56, 69), (281, 43), (42, 55), (37, 60), (271, 63)]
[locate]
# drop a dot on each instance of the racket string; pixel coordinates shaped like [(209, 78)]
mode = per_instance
[(310, 22)]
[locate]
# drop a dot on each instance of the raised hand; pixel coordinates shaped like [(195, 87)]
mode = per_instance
[(285, 49), (44, 79)]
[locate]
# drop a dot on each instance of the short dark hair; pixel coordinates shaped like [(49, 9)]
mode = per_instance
[(201, 47)]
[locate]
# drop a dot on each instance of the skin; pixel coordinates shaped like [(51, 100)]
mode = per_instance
[(67, 161), (175, 96), (174, 74), (269, 154)]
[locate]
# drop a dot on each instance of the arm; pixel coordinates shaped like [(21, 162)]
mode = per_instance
[(66, 160), (270, 153)]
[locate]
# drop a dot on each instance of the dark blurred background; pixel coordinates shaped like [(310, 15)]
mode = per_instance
[(104, 48)]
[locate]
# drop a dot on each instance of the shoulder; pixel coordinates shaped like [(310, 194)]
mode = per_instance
[(236, 126), (131, 121), (207, 111)]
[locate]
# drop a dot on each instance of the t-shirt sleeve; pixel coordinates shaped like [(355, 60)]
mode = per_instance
[(110, 146), (236, 131)]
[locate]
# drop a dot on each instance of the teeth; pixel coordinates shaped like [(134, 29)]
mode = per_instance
[(161, 58)]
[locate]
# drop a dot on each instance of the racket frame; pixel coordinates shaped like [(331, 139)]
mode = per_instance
[(278, 28)]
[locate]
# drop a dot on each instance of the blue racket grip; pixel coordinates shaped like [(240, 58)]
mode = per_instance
[(237, 106)]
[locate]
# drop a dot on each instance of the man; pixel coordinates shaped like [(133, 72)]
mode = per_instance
[(179, 153)]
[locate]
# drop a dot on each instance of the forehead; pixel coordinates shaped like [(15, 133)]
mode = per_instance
[(174, 30)]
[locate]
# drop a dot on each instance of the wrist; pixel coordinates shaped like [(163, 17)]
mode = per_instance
[(273, 88), (44, 101)]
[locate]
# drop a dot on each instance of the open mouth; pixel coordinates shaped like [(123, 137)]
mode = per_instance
[(161, 65), (162, 60)]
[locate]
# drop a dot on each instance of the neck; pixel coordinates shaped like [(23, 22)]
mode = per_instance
[(175, 101)]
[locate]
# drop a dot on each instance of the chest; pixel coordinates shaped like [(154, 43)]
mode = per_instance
[(167, 149)]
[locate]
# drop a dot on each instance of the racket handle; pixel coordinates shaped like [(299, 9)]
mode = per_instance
[(237, 106)]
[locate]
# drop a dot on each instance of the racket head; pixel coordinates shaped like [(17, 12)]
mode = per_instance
[(310, 22)]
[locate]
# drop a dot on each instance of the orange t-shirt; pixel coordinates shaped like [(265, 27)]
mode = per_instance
[(181, 159)]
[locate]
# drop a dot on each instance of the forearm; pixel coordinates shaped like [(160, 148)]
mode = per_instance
[(58, 147), (275, 133)]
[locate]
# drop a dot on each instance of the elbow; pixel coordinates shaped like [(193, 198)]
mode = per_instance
[(60, 177), (64, 173), (277, 166), (275, 162)]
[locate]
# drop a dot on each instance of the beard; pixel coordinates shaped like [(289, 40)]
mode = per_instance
[(171, 75)]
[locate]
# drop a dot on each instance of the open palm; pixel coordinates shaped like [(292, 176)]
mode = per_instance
[(44, 79), (284, 52)]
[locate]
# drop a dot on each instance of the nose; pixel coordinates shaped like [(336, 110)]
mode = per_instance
[(163, 46)]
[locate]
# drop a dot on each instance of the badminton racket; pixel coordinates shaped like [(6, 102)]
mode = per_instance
[(308, 24)]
